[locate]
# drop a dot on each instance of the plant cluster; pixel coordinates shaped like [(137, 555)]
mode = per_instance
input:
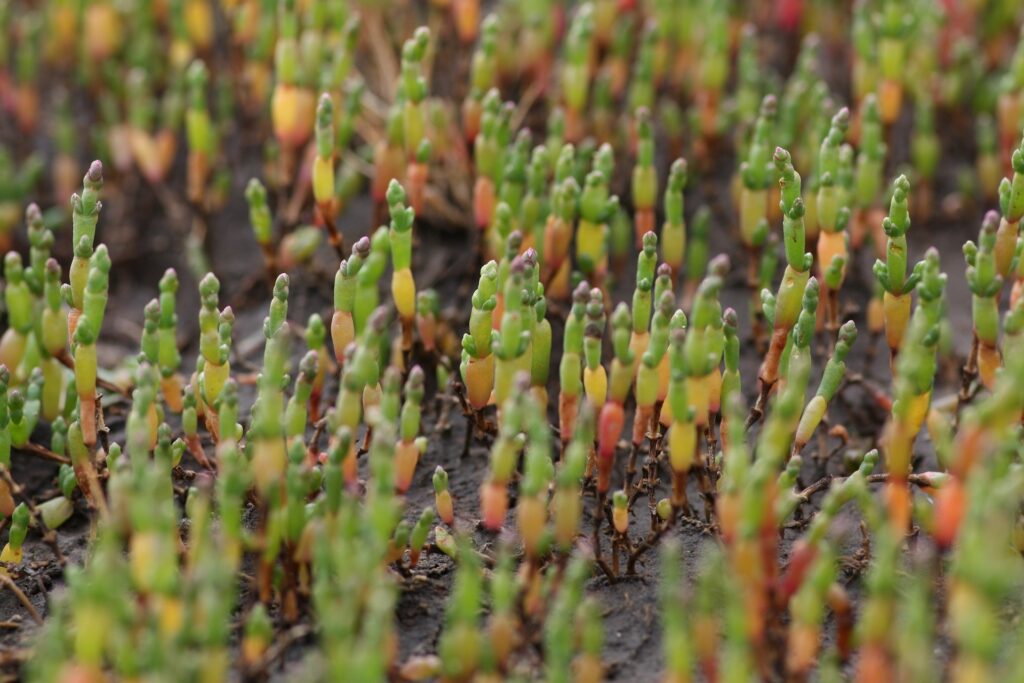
[(622, 395)]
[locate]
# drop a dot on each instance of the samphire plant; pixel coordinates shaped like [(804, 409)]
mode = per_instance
[(485, 348)]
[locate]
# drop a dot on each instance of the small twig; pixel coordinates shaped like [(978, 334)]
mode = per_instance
[(43, 452), (382, 51), (598, 519), (634, 450), (22, 598), (281, 644), (825, 482), (334, 237), (649, 542), (526, 102), (756, 413), (443, 423), (484, 558), (609, 574), (452, 215), (967, 376), (317, 433), (880, 397)]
